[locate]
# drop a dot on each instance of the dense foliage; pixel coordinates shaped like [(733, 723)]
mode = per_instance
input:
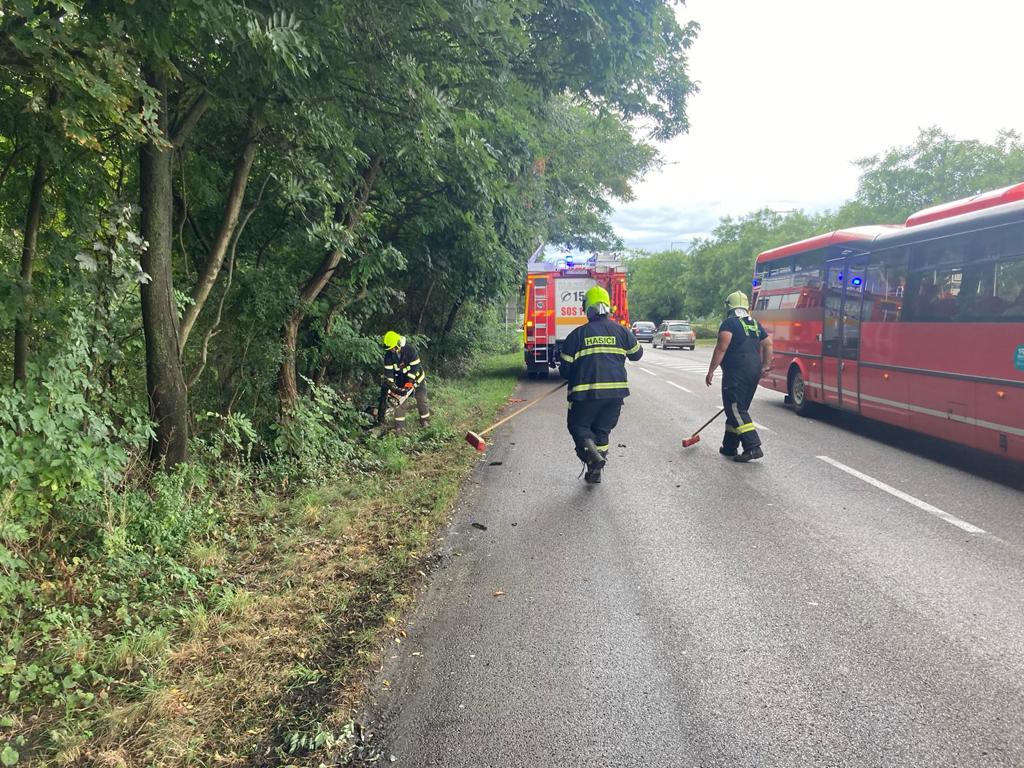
[(209, 211), (936, 168)]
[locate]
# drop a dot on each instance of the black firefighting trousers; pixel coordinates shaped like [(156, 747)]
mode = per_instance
[(419, 398), (593, 419), (738, 388)]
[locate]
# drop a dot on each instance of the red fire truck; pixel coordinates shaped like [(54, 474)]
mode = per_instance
[(555, 286)]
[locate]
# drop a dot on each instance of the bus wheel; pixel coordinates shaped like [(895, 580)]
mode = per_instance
[(797, 393)]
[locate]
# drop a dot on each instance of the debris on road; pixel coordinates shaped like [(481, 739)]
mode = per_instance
[(481, 526), (495, 463), (499, 593)]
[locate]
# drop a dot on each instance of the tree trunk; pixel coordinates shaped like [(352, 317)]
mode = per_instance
[(287, 386), (165, 381), (215, 258), (423, 307), (452, 314), (28, 256)]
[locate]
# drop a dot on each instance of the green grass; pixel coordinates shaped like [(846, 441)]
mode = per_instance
[(264, 664)]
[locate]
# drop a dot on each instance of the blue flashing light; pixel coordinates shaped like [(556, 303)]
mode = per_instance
[(839, 277), (856, 281), (755, 282)]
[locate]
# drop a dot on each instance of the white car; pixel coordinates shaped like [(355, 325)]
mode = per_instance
[(675, 333)]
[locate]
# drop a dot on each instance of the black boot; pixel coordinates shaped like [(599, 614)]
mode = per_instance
[(593, 474), (753, 453), (594, 457), (727, 451)]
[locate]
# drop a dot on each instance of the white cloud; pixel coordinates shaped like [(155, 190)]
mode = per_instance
[(793, 92)]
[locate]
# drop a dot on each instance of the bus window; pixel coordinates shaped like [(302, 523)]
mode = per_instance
[(779, 274), (933, 296), (1009, 287), (791, 300), (884, 287), (807, 269), (993, 292)]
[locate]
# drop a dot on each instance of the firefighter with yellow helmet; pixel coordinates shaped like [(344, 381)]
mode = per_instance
[(402, 379), (744, 351), (593, 360)]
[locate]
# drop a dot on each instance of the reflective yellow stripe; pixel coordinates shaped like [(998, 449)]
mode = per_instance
[(390, 367), (634, 349), (414, 362), (742, 429), (599, 351), (566, 358), (600, 385), (731, 429), (602, 447)]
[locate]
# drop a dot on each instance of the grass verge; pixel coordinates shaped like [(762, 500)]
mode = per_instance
[(266, 667)]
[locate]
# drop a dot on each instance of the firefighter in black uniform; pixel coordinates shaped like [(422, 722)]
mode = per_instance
[(593, 360), (402, 372), (744, 351)]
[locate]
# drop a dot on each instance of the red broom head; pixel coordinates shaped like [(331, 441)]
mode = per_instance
[(476, 441), (691, 441)]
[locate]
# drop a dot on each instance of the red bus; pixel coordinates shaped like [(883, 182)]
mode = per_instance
[(920, 325)]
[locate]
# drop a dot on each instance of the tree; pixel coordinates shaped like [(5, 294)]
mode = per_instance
[(936, 168), (656, 285)]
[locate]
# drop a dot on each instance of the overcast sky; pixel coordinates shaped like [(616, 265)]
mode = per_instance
[(792, 91)]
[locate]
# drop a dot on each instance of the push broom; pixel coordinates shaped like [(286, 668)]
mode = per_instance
[(695, 437), (477, 439)]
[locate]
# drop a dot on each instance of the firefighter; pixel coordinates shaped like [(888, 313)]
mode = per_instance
[(402, 375), (593, 359), (744, 351)]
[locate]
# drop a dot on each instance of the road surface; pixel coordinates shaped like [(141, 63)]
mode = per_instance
[(854, 599)]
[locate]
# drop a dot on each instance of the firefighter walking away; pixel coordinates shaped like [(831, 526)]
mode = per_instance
[(402, 380), (744, 351), (593, 360)]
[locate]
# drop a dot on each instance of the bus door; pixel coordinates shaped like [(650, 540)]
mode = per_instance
[(840, 344)]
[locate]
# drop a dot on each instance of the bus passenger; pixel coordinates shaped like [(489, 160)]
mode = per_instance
[(744, 351)]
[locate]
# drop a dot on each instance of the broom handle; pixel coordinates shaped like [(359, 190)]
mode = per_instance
[(720, 412), (528, 405)]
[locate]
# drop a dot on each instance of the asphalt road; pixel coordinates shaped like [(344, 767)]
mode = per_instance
[(691, 611)]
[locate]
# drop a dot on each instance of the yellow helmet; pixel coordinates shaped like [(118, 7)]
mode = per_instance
[(596, 295), (736, 300), (391, 340)]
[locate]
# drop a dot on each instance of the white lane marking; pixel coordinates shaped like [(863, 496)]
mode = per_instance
[(646, 371), (905, 496), (679, 386)]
